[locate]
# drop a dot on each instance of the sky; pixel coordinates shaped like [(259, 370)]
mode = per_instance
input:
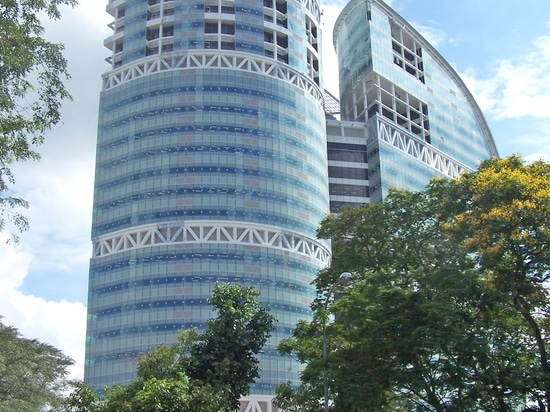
[(501, 49)]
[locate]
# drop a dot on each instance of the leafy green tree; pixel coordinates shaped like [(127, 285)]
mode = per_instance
[(32, 72), (501, 215), (159, 386), (397, 332), (224, 355), (82, 398), (162, 395), (33, 375), (448, 298), (202, 372), (161, 363), (304, 398), (118, 398), (157, 395)]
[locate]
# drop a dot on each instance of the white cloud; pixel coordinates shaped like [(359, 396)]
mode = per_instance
[(60, 194), (330, 60), (519, 88), (434, 35), (516, 100), (533, 157), (62, 185), (61, 324), (534, 141), (14, 266)]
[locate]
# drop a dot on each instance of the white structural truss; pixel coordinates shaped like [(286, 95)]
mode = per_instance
[(213, 59), (313, 7), (210, 231), (420, 150), (258, 403)]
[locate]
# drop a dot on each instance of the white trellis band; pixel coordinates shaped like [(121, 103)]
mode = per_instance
[(213, 59), (418, 149), (211, 231), (258, 403)]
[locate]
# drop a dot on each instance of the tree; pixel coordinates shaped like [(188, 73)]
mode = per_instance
[(166, 395), (33, 375), (202, 372), (501, 214), (304, 398), (447, 302), (162, 385), (158, 395), (398, 337), (32, 71), (224, 356), (82, 398), (159, 386)]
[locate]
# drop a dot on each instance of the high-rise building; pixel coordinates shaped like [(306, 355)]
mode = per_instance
[(406, 116), (211, 166), (213, 162)]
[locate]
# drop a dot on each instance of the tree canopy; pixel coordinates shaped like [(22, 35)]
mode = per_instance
[(501, 215), (32, 75), (33, 375), (224, 356), (204, 371), (448, 298)]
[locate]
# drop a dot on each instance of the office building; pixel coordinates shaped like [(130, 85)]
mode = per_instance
[(406, 116), (212, 161), (211, 166)]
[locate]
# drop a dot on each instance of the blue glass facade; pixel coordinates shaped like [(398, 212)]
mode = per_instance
[(211, 166), (421, 120)]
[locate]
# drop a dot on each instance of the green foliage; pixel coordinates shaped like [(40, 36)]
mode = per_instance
[(161, 395), (33, 375), (448, 299), (301, 399), (169, 393), (202, 372), (161, 385), (177, 395), (160, 363), (118, 398), (32, 71), (224, 355), (501, 215), (83, 398)]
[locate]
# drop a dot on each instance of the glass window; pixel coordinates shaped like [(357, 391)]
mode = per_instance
[(348, 190), (228, 28), (347, 173), (211, 27), (347, 152)]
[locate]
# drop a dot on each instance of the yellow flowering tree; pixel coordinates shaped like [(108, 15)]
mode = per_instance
[(501, 215)]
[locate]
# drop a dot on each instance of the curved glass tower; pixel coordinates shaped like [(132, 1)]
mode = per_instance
[(211, 166), (406, 116)]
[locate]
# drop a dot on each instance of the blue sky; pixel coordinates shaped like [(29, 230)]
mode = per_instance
[(501, 49)]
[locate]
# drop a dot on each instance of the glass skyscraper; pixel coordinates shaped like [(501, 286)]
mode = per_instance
[(218, 154), (405, 115), (211, 166)]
